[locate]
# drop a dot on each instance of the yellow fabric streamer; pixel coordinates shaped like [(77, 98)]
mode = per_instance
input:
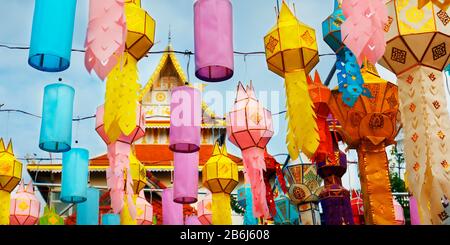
[(302, 128), (427, 140), (122, 88), (221, 209), (5, 202), (125, 217), (375, 184)]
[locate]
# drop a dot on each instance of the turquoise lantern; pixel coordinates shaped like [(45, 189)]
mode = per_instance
[(74, 180), (287, 213), (51, 35), (245, 200), (331, 28), (110, 219), (57, 112), (87, 212)]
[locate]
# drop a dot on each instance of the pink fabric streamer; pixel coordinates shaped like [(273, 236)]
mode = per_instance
[(106, 35), (118, 153), (254, 166), (363, 31)]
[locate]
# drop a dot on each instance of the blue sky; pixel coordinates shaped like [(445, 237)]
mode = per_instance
[(21, 87)]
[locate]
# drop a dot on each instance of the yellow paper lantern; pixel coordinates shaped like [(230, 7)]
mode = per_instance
[(220, 176), (291, 52), (141, 29), (10, 176), (138, 174)]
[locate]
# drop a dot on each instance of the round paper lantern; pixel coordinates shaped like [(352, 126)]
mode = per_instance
[(398, 211), (185, 119), (213, 27), (50, 217), (144, 210), (87, 211), (185, 183), (141, 29), (110, 219), (57, 113), (74, 178), (25, 207), (220, 176), (51, 36), (172, 211), (204, 210), (10, 175)]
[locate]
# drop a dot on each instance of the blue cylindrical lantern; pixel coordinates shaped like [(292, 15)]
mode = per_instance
[(57, 112), (74, 178), (87, 212), (51, 36), (110, 219)]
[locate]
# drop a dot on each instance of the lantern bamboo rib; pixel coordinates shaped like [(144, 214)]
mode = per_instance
[(375, 184), (5, 203), (424, 111)]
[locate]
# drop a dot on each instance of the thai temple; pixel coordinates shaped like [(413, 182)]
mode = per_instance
[(152, 150)]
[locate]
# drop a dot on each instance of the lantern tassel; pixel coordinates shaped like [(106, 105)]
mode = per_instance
[(122, 88), (337, 210), (221, 209), (302, 128), (118, 156), (125, 215), (5, 203), (254, 166)]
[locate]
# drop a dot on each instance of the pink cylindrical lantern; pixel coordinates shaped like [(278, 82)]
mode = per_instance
[(144, 210), (185, 119), (213, 27), (249, 127), (192, 220), (25, 207), (204, 210), (185, 181), (414, 211), (398, 211), (172, 212)]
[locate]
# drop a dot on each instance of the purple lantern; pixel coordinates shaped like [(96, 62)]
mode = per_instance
[(213, 26), (172, 212), (185, 184), (185, 119)]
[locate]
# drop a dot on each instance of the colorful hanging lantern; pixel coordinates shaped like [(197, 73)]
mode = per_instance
[(272, 169), (25, 207), (185, 119), (349, 76), (110, 219), (87, 212), (74, 179), (287, 213), (192, 220), (417, 52), (57, 113), (249, 127), (369, 127), (213, 27), (363, 29), (50, 217), (10, 176), (398, 211), (220, 176), (141, 29), (185, 184), (414, 211), (357, 208), (204, 208), (291, 52), (172, 211), (51, 35), (442, 4), (304, 184), (106, 36), (245, 201), (144, 210), (120, 161)]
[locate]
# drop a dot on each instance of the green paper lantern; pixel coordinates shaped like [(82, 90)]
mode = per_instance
[(50, 217)]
